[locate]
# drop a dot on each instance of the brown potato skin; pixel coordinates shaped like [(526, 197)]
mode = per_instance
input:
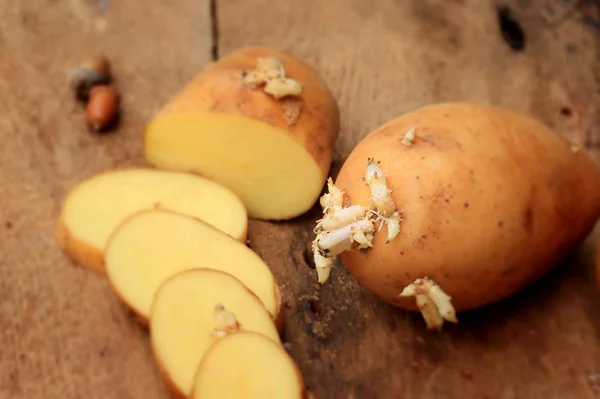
[(218, 88), (491, 201)]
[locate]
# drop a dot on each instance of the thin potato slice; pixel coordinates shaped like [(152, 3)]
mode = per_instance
[(247, 365), (96, 206), (153, 245), (193, 309)]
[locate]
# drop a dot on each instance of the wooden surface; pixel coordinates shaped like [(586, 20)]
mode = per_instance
[(64, 334)]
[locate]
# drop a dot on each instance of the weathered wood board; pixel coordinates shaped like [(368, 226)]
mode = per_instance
[(65, 335), (62, 332)]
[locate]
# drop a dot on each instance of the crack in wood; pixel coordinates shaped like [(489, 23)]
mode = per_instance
[(214, 29)]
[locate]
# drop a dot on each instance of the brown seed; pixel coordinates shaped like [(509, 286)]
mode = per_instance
[(95, 71), (102, 108), (98, 64)]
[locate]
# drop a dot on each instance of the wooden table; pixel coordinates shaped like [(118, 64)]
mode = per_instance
[(64, 334)]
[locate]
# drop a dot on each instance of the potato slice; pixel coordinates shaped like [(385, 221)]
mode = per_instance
[(193, 309), (247, 365), (96, 206), (153, 245), (273, 152)]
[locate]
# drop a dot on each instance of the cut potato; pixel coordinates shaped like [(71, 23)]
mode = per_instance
[(272, 145), (96, 206), (193, 309), (153, 245), (247, 365)]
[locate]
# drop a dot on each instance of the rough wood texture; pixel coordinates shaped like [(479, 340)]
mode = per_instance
[(64, 334)]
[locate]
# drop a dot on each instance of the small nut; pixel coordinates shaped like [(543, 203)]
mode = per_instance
[(102, 108), (91, 73), (99, 64)]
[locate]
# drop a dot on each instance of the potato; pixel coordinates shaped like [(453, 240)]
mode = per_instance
[(96, 206), (247, 365), (483, 201), (152, 245), (258, 121), (191, 311)]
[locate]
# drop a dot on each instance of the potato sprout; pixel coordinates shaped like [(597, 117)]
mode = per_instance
[(353, 227), (435, 305)]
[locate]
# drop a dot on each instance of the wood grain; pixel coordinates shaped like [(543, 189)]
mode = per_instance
[(382, 59), (63, 333), (387, 59)]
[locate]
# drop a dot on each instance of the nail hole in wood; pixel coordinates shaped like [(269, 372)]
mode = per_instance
[(315, 306), (565, 111)]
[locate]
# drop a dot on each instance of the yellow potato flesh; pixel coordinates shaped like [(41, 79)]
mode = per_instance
[(151, 246), (247, 366), (99, 204), (183, 318), (273, 174)]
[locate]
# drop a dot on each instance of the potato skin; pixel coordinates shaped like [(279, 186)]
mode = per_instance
[(218, 88), (491, 200)]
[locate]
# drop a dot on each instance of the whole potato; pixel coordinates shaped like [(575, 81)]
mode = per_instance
[(489, 201)]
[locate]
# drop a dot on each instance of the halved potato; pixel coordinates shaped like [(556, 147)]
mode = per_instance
[(258, 121), (192, 310), (153, 245), (96, 206), (247, 365)]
